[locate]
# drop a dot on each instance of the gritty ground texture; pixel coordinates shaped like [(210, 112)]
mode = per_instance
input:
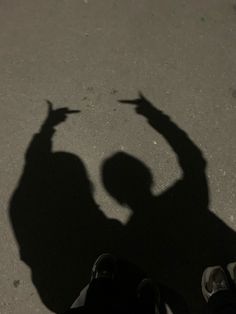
[(87, 55)]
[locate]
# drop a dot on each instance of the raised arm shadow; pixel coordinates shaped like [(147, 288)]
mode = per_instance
[(189, 156)]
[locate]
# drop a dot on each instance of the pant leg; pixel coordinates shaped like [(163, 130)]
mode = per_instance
[(80, 301), (98, 294), (222, 302), (105, 296), (79, 310)]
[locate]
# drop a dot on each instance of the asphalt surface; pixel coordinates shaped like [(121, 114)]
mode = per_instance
[(89, 54)]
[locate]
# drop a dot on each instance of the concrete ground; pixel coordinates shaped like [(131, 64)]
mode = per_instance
[(88, 54)]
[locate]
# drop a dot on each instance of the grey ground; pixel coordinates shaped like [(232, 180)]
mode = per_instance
[(87, 54)]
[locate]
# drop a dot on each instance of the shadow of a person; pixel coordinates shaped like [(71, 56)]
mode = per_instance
[(172, 235), (58, 225)]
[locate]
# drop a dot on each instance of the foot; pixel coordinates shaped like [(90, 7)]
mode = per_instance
[(232, 271), (104, 267), (149, 295), (214, 280)]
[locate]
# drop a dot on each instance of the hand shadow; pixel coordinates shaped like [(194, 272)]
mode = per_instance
[(172, 235), (59, 227)]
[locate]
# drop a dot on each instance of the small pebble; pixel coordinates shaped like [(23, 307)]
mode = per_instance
[(16, 283), (114, 91)]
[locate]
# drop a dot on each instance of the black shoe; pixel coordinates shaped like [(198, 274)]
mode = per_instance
[(104, 267), (148, 295), (214, 280), (232, 271)]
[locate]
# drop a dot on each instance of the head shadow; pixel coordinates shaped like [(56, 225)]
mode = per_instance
[(126, 178)]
